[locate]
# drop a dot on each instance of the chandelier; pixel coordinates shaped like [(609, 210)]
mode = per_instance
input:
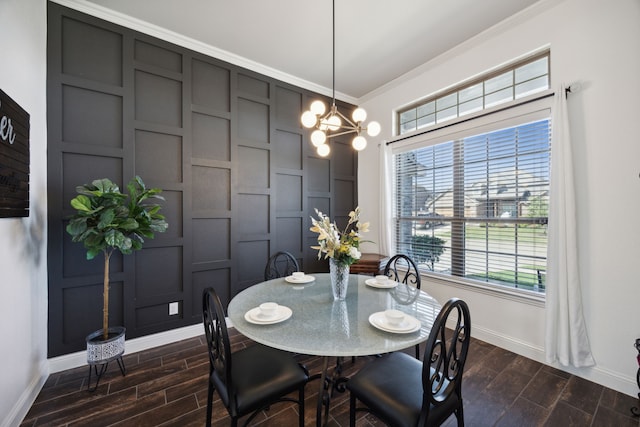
[(332, 123)]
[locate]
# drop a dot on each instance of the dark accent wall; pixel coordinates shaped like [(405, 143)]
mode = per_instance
[(239, 174)]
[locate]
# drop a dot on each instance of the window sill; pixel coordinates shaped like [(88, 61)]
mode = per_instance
[(521, 296)]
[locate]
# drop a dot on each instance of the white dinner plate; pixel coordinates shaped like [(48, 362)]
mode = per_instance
[(304, 279), (410, 324), (254, 316), (373, 283)]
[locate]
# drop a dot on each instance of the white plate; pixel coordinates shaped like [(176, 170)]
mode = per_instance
[(410, 324), (304, 279), (254, 316), (375, 284)]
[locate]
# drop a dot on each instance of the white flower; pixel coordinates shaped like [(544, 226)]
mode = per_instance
[(341, 245), (354, 252)]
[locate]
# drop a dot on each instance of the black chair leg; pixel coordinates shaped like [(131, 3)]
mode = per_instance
[(209, 405), (301, 407), (460, 415), (352, 410)]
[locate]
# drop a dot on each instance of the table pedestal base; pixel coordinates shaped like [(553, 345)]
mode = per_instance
[(329, 384)]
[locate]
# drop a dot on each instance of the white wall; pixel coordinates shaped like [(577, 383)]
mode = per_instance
[(23, 259), (595, 42), (598, 44)]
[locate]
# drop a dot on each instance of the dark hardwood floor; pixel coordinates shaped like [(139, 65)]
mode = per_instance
[(167, 386)]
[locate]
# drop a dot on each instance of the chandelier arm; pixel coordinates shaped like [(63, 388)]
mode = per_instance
[(351, 130), (346, 119), (335, 111)]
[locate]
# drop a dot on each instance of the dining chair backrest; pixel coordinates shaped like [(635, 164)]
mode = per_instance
[(444, 357), (260, 375), (219, 346), (281, 264), (402, 268), (404, 392)]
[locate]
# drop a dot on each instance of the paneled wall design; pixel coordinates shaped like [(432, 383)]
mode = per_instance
[(239, 174)]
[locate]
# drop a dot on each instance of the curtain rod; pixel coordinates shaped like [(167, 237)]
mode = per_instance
[(488, 113)]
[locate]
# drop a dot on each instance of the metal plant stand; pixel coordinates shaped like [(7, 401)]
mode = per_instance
[(101, 368), (100, 352), (634, 410)]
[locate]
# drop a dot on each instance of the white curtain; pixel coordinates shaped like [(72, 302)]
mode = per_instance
[(386, 241), (566, 339)]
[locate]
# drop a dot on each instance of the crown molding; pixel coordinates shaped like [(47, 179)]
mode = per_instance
[(147, 28)]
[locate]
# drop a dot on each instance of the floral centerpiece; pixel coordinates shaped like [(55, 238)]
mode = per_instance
[(342, 247)]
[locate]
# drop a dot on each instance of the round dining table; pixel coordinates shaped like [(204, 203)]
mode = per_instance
[(316, 324)]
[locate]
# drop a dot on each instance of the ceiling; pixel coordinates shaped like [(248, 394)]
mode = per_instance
[(376, 40)]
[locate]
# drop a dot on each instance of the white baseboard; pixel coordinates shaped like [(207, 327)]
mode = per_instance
[(509, 343), (607, 378), (28, 396), (74, 360)]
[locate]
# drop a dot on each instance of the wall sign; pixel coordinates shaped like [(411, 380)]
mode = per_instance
[(14, 158)]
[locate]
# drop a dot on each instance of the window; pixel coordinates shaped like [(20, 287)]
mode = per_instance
[(511, 83), (476, 206)]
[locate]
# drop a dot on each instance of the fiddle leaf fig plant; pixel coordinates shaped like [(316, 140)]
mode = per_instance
[(107, 220)]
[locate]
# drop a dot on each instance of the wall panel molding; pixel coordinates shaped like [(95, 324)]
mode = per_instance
[(239, 174)]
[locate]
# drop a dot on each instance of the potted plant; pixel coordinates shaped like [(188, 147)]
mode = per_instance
[(107, 220)]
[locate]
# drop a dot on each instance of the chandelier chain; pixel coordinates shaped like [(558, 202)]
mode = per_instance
[(333, 123), (333, 9)]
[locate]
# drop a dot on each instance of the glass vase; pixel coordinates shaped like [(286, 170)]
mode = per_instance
[(339, 323), (339, 279)]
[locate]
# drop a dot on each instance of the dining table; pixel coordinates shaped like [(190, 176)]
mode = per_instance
[(311, 322)]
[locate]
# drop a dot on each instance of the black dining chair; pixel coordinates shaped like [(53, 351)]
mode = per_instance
[(281, 264), (402, 268), (250, 379), (402, 391)]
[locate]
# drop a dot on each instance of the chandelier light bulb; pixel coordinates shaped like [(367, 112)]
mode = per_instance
[(334, 123), (318, 138), (359, 115), (318, 108), (308, 119), (324, 150), (359, 143), (373, 129)]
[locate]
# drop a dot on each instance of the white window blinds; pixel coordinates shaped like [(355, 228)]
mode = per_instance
[(475, 205)]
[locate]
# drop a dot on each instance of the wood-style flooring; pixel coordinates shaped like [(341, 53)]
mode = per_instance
[(167, 386)]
